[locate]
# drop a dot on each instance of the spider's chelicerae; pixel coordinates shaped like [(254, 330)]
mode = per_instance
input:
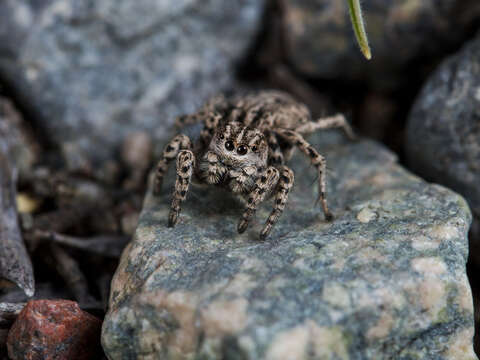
[(243, 147)]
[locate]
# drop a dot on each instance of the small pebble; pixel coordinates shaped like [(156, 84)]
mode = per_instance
[(26, 203), (366, 215), (54, 329)]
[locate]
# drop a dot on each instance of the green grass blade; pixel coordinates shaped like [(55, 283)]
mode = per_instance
[(359, 27)]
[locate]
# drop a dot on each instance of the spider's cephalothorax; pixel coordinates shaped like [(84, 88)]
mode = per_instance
[(243, 147)]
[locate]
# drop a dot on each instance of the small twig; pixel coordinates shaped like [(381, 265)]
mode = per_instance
[(62, 219), (54, 221), (105, 245), (67, 267)]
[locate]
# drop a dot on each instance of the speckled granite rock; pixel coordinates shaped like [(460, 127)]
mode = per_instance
[(93, 71), (443, 134), (385, 280), (401, 32)]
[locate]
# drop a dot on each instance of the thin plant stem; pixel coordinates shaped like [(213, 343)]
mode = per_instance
[(359, 27)]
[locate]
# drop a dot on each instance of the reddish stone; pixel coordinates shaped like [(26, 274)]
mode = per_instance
[(54, 330)]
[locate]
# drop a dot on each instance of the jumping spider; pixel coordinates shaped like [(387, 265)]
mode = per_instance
[(243, 147)]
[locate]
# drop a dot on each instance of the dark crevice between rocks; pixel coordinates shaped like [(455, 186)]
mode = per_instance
[(231, 350), (266, 63), (473, 271), (266, 48)]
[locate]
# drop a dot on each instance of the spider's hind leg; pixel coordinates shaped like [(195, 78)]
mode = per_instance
[(331, 122)]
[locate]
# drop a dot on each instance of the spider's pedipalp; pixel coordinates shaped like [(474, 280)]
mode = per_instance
[(263, 186), (170, 152), (210, 169), (284, 185), (317, 160), (185, 166)]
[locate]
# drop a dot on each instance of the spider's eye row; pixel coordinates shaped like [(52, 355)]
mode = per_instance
[(242, 150), (254, 148), (229, 145), (222, 136)]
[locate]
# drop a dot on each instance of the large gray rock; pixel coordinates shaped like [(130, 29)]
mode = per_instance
[(23, 150), (94, 71), (443, 134), (385, 280), (401, 32)]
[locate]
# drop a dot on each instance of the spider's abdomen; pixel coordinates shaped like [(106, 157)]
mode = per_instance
[(270, 109)]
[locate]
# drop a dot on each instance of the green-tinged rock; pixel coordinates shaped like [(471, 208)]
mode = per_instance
[(443, 133), (385, 280)]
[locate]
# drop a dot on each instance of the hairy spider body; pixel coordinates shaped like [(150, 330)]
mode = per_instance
[(243, 147)]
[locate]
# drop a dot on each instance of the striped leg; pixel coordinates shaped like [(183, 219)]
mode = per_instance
[(275, 155), (285, 184), (317, 160), (263, 186), (331, 122), (184, 120), (185, 166), (179, 142), (213, 105), (210, 123)]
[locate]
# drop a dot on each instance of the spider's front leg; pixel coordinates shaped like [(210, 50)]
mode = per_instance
[(317, 160), (170, 152), (185, 167), (275, 155), (284, 185), (263, 186)]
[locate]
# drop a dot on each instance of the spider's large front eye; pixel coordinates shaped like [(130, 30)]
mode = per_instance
[(242, 150), (229, 145)]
